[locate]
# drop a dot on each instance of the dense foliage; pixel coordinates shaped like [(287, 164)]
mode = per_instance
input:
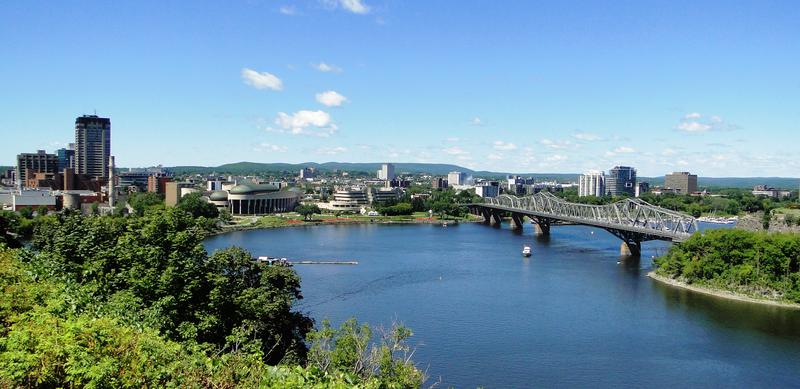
[(754, 263), (137, 302)]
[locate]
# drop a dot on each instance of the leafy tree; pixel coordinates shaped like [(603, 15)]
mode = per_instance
[(307, 210), (141, 201), (194, 204)]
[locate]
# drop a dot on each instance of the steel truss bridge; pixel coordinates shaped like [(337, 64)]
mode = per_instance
[(632, 220)]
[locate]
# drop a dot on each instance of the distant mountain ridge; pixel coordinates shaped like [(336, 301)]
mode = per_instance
[(438, 169)]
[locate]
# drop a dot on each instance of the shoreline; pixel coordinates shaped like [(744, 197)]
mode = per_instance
[(720, 293), (330, 223)]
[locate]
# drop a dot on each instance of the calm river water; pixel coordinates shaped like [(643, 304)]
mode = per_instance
[(572, 315)]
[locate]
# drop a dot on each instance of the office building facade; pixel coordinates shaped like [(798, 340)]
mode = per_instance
[(456, 178), (92, 146), (621, 180), (66, 157), (28, 164), (681, 182)]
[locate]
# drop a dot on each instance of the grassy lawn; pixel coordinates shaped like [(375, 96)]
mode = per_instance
[(292, 218), (787, 211)]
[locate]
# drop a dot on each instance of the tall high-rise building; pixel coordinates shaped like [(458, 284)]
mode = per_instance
[(386, 172), (621, 180), (681, 182), (456, 178), (592, 184), (29, 164), (92, 146), (66, 157)]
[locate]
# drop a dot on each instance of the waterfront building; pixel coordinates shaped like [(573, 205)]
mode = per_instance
[(592, 183), (66, 157), (621, 180), (386, 172), (256, 199), (348, 200), (681, 182), (487, 189), (456, 178), (28, 164), (382, 195), (92, 146)]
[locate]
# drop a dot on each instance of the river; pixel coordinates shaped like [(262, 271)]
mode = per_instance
[(572, 315)]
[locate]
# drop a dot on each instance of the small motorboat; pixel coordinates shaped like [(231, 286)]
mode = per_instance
[(526, 251)]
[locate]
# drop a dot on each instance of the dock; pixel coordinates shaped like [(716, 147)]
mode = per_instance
[(286, 262)]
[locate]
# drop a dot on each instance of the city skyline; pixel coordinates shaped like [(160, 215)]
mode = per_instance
[(520, 88)]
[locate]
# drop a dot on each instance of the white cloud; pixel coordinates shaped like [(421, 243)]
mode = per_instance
[(500, 145), (262, 80), (557, 158), (699, 123), (476, 121), (326, 68), (586, 137), (331, 98), (624, 150), (495, 157), (455, 150), (559, 145), (693, 126), (354, 6), (288, 10), (453, 139), (668, 152), (331, 150), (264, 146), (306, 122)]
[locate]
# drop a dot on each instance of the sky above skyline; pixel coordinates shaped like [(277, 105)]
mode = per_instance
[(515, 86)]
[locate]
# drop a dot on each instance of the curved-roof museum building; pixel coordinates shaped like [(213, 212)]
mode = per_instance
[(255, 199)]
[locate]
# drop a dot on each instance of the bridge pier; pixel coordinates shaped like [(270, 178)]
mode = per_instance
[(630, 249), (487, 216), (517, 221), (495, 218), (541, 229)]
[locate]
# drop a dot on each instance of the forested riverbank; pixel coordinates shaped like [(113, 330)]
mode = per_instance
[(757, 265)]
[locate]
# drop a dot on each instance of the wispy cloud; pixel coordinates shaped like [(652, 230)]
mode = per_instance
[(505, 146), (336, 150), (288, 10), (476, 121), (263, 80), (264, 146), (327, 68), (698, 123), (586, 137), (354, 6)]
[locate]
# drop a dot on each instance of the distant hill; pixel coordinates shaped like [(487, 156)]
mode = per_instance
[(438, 169)]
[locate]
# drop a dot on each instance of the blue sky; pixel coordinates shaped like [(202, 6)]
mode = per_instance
[(523, 86)]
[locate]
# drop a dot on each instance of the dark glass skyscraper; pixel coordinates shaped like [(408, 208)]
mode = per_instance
[(621, 180), (92, 146)]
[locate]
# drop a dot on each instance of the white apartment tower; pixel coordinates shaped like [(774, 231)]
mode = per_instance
[(386, 172), (592, 184)]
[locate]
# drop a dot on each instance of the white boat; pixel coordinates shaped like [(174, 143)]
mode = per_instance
[(526, 251)]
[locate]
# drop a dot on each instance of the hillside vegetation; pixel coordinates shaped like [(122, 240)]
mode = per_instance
[(107, 301), (758, 264)]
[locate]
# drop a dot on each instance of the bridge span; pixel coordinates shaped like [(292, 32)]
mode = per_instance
[(632, 220)]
